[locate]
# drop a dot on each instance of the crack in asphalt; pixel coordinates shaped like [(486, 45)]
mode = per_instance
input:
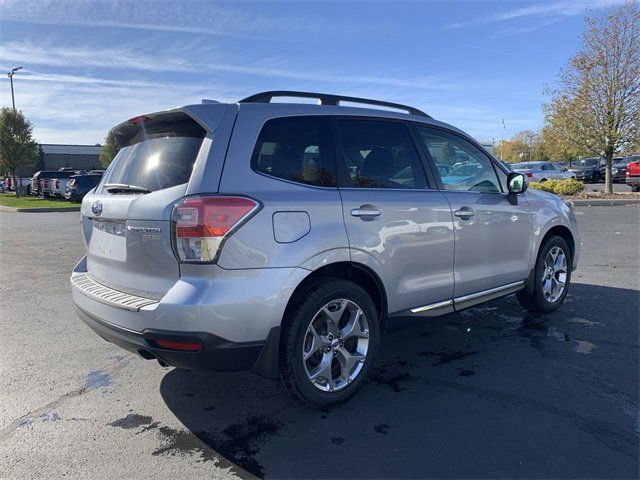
[(109, 371)]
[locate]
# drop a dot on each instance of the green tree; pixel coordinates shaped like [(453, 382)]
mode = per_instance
[(110, 149), (597, 97), (18, 149)]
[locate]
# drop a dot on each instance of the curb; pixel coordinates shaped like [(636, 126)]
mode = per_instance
[(605, 202), (39, 210)]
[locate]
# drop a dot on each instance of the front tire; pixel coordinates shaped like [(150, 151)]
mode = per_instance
[(330, 336), (551, 278)]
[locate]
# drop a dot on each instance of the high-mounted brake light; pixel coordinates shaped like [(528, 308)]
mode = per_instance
[(138, 119), (203, 223)]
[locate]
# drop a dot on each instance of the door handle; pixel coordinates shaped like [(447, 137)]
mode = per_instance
[(464, 212), (366, 211)]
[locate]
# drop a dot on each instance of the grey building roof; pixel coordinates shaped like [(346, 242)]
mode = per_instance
[(58, 149)]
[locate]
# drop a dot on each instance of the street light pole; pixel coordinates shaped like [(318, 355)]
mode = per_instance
[(10, 75)]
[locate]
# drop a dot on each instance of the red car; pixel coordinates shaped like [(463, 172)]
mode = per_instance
[(633, 173)]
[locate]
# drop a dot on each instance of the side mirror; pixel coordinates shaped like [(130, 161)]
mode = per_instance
[(565, 169), (516, 184)]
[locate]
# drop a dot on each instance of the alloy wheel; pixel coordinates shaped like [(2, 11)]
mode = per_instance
[(335, 345), (554, 275)]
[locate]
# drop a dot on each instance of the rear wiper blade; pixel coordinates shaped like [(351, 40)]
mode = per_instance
[(122, 187)]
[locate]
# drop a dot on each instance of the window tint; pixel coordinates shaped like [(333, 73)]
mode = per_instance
[(297, 149), (380, 155), (154, 164), (469, 168)]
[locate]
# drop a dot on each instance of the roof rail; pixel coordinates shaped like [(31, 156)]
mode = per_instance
[(328, 99)]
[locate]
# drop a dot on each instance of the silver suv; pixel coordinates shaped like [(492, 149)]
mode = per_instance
[(283, 238)]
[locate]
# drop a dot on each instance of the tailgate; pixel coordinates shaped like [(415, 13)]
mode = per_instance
[(127, 219)]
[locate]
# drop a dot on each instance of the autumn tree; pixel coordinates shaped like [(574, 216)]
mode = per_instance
[(18, 149), (522, 147), (109, 150), (595, 106)]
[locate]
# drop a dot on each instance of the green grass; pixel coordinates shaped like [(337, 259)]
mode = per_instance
[(10, 200)]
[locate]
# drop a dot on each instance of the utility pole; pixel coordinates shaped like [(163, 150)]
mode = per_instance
[(502, 139), (10, 75)]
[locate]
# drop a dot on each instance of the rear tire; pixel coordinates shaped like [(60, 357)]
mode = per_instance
[(635, 188), (329, 340), (551, 277)]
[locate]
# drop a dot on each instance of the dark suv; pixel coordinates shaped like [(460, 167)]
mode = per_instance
[(80, 185)]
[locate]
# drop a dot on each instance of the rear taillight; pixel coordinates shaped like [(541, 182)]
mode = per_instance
[(529, 175), (203, 223), (57, 184), (46, 184)]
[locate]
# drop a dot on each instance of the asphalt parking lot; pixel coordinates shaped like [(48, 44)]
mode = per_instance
[(617, 187), (492, 392)]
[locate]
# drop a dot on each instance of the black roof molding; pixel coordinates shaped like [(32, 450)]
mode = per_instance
[(328, 99)]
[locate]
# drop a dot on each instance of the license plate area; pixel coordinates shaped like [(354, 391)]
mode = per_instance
[(109, 240)]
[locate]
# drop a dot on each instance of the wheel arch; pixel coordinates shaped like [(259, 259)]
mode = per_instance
[(268, 364), (563, 232), (358, 273)]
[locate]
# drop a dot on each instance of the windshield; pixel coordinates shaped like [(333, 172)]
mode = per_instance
[(154, 164), (524, 166), (587, 162)]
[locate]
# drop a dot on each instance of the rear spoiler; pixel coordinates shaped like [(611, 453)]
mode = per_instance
[(190, 121)]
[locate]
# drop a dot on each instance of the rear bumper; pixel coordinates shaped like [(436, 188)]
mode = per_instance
[(216, 353), (232, 313), (635, 180)]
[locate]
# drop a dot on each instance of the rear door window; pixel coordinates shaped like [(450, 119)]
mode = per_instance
[(298, 149), (380, 154)]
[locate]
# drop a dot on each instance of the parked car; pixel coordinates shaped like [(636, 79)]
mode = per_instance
[(80, 185), (587, 169), (58, 186), (41, 180), (45, 180), (633, 172), (264, 250), (618, 170), (1, 186), (542, 171), (23, 181)]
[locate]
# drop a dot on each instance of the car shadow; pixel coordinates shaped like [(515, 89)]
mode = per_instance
[(489, 392)]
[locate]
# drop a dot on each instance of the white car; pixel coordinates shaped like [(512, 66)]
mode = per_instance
[(542, 171), (57, 187)]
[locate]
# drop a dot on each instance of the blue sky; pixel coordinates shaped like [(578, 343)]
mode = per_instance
[(90, 64)]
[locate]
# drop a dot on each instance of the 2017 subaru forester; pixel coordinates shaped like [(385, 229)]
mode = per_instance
[(283, 238)]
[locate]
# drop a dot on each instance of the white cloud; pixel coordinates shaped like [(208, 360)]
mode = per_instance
[(563, 8), (193, 17), (209, 62)]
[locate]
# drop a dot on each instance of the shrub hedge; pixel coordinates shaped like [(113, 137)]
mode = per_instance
[(570, 186)]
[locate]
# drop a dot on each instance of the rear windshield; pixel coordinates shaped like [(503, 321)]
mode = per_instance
[(62, 174), (154, 164)]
